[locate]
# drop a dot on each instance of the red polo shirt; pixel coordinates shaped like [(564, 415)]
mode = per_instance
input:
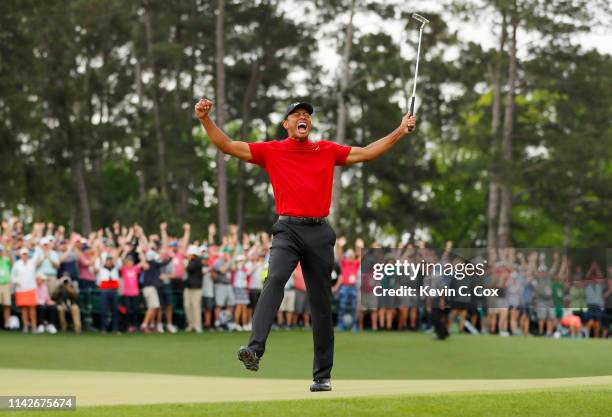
[(301, 173)]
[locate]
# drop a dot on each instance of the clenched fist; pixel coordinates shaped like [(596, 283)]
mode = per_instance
[(202, 108), (408, 122)]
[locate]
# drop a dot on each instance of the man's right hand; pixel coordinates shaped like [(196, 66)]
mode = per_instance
[(202, 108), (217, 136)]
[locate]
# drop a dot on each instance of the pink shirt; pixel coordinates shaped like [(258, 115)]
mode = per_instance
[(178, 265), (129, 275), (298, 278), (86, 272), (42, 295), (350, 272)]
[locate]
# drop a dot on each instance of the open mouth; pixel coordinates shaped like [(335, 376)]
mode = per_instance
[(302, 127)]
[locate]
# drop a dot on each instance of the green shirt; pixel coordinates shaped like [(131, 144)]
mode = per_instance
[(5, 270), (557, 294)]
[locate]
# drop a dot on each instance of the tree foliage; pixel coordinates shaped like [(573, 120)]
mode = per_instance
[(96, 119)]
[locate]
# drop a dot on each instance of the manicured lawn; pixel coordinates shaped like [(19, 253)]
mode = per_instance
[(587, 402), (289, 355)]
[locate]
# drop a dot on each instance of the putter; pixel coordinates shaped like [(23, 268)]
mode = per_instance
[(416, 70)]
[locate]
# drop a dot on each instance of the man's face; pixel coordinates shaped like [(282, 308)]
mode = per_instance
[(298, 124)]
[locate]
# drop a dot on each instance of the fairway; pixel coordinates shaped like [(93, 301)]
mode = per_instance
[(403, 373), (384, 356), (591, 402)]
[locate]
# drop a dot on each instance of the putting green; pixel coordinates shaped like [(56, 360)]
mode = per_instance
[(115, 388)]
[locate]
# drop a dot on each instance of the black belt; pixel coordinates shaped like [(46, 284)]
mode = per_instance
[(303, 220)]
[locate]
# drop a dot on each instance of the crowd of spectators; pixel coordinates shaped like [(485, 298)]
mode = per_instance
[(122, 279), (538, 292)]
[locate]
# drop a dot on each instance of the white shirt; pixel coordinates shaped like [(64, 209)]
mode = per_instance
[(256, 276), (240, 277), (105, 274), (24, 274), (207, 283)]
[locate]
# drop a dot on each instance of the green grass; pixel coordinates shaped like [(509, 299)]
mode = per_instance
[(289, 355), (587, 402)]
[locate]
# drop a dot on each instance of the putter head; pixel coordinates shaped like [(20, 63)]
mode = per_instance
[(420, 18)]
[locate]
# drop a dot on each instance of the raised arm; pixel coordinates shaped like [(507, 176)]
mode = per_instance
[(184, 243), (143, 261), (217, 136), (163, 229), (140, 235), (382, 146)]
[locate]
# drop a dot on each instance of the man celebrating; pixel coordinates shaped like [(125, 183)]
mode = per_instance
[(301, 172)]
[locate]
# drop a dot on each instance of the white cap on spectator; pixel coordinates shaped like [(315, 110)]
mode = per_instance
[(151, 255), (24, 251), (241, 258), (45, 241), (41, 276), (193, 250)]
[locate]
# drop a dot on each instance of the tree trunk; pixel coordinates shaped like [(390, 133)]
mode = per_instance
[(82, 192), (183, 201), (161, 146), (342, 112), (493, 203), (76, 145), (492, 210), (142, 179), (222, 209), (505, 213), (567, 235)]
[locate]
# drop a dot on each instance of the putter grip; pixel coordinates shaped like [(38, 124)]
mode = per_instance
[(411, 111)]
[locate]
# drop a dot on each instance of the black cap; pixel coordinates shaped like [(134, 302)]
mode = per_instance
[(298, 105)]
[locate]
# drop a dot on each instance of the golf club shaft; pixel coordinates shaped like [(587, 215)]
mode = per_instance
[(416, 72)]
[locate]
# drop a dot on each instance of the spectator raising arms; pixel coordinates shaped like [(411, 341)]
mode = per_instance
[(24, 278), (346, 287), (241, 292), (108, 284), (129, 291), (152, 265), (224, 294), (192, 294)]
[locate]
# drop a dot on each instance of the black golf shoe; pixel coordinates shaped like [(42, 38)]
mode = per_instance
[(320, 384), (249, 358)]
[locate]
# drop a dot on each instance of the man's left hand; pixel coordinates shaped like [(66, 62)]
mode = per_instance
[(408, 122)]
